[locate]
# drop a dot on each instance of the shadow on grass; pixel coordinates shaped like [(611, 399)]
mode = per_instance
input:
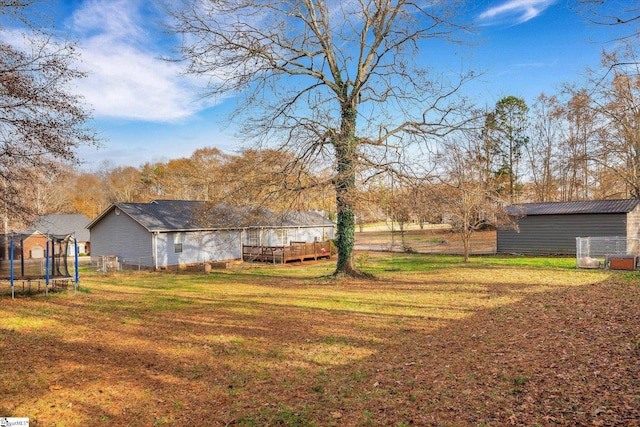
[(560, 355)]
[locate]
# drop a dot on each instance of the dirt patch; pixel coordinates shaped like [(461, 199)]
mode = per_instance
[(425, 241)]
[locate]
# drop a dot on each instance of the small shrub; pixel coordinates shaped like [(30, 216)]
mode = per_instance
[(518, 383), (362, 261), (409, 250)]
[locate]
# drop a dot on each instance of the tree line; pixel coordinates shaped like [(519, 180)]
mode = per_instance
[(580, 144)]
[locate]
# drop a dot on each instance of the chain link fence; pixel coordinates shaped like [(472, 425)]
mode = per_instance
[(597, 252)]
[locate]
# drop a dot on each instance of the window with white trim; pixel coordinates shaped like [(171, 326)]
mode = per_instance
[(177, 243), (282, 236), (252, 237)]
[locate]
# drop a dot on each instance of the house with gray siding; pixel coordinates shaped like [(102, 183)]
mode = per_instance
[(552, 228), (165, 233)]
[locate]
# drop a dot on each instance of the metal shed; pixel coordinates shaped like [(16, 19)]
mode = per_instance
[(552, 227)]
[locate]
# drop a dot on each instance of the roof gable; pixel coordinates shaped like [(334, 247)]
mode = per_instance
[(573, 208)]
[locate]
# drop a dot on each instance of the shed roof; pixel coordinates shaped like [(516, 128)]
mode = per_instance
[(191, 215), (573, 208), (63, 224)]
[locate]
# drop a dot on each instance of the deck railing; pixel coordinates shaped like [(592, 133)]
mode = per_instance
[(296, 251)]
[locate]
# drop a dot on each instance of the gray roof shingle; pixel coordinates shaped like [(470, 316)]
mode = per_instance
[(63, 224), (572, 208), (190, 215)]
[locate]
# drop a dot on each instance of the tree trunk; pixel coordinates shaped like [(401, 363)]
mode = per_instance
[(345, 184), (466, 243)]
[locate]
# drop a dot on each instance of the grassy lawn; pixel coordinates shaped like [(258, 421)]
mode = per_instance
[(498, 341)]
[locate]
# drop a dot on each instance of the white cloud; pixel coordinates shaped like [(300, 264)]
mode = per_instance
[(118, 18), (127, 77), (519, 10)]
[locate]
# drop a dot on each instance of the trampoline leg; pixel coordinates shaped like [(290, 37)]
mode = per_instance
[(46, 283), (77, 263), (13, 293)]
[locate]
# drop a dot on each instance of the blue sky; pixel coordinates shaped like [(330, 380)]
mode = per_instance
[(145, 110)]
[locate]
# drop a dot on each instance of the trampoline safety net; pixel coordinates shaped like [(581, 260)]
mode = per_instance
[(33, 254)]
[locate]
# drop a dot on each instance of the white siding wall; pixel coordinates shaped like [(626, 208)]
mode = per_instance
[(120, 235), (198, 247), (312, 234), (275, 237)]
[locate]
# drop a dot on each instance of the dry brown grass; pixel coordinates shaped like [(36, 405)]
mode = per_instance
[(427, 344), (429, 240)]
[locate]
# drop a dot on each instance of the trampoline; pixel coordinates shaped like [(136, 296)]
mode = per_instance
[(38, 262)]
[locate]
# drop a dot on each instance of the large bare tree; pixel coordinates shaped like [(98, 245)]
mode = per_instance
[(601, 146), (463, 192), (345, 82), (542, 153), (615, 102), (41, 121)]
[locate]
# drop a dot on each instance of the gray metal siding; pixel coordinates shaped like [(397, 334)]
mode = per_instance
[(556, 234), (120, 235)]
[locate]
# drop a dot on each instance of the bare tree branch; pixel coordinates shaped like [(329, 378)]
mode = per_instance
[(328, 78), (41, 122)]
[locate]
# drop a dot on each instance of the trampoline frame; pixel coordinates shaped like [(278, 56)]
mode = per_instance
[(49, 278)]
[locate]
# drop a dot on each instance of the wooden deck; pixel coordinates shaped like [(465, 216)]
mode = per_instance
[(297, 251)]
